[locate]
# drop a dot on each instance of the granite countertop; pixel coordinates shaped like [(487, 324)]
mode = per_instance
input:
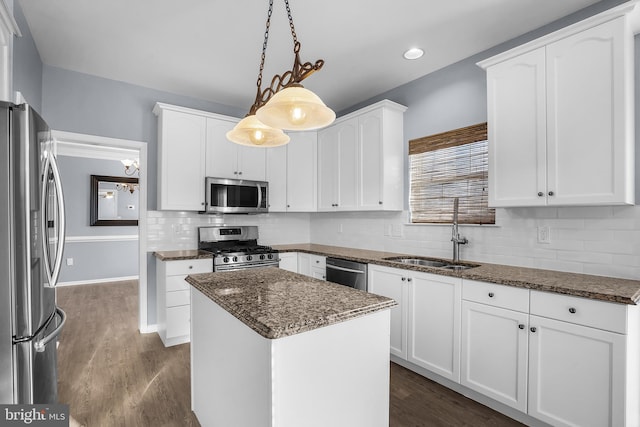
[(610, 289), (277, 303), (182, 255)]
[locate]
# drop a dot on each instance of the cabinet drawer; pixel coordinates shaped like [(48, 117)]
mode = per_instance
[(177, 298), (496, 295), (178, 321), (317, 261), (177, 283), (582, 311), (189, 266)]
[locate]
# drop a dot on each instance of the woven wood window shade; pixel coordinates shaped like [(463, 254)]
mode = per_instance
[(449, 165)]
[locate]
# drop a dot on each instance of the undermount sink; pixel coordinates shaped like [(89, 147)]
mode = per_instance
[(419, 261), (431, 263)]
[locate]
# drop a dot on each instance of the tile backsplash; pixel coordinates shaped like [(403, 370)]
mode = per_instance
[(602, 241)]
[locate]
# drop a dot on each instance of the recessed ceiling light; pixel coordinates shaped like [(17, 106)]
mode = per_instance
[(413, 53)]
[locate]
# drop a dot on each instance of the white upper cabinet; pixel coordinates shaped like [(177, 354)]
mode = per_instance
[(226, 159), (338, 166), (181, 159), (292, 174), (360, 160), (560, 117)]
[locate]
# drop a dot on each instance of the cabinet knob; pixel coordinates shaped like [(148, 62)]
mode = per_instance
[(521, 326), (191, 267), (404, 278), (572, 310), (288, 206), (409, 279), (533, 329), (317, 262), (202, 204), (540, 194), (551, 193), (380, 202), (235, 172), (491, 294), (239, 173)]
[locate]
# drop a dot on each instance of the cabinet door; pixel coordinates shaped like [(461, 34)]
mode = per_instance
[(370, 140), (348, 168), (587, 100), (391, 283), (517, 131), (289, 261), (494, 350), (277, 178), (222, 154), (327, 169), (302, 173), (252, 163), (434, 323), (181, 158), (576, 374), (304, 264)]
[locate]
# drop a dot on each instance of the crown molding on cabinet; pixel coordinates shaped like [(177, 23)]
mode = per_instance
[(630, 9)]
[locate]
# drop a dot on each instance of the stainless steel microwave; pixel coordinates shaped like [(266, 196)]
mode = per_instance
[(236, 196)]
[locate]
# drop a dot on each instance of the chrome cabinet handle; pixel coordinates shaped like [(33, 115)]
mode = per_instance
[(540, 194), (533, 329), (572, 310), (521, 326), (404, 278), (551, 193), (408, 279), (491, 294)]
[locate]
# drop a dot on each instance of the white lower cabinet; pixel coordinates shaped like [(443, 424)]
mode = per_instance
[(494, 346), (434, 323), (173, 296), (318, 267), (392, 283), (289, 261), (577, 373), (308, 264), (564, 360)]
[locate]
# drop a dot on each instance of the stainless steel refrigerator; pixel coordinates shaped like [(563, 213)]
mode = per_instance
[(32, 232)]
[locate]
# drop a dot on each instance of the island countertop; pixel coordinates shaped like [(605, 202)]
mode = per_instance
[(277, 303)]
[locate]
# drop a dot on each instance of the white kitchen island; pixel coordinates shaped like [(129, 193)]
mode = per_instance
[(275, 348)]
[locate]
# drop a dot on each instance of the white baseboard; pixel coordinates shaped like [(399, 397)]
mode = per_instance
[(96, 281), (149, 329)]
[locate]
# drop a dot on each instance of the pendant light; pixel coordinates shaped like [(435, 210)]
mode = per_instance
[(285, 104)]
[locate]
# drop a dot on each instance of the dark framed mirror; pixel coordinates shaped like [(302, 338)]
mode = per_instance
[(114, 201)]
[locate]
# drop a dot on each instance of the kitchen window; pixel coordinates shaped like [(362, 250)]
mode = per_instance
[(449, 165)]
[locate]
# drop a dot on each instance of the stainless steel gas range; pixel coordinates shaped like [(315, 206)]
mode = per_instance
[(236, 247)]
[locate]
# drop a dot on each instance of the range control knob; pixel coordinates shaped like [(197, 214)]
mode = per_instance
[(249, 257), (225, 259), (235, 259), (270, 256), (261, 256)]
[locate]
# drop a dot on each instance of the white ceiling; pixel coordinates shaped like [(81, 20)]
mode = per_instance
[(210, 49)]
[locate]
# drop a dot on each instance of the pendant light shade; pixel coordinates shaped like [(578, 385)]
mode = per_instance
[(296, 108), (253, 133)]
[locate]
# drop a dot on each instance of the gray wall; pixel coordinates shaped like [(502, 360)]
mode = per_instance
[(93, 260), (27, 66), (81, 103)]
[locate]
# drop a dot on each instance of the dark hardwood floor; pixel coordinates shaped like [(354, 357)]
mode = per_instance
[(111, 375)]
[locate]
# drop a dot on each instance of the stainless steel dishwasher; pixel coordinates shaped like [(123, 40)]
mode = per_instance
[(348, 273)]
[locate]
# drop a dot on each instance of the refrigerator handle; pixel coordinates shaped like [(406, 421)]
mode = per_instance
[(41, 344), (52, 274)]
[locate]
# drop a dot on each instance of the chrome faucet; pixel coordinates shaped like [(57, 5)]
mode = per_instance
[(456, 238)]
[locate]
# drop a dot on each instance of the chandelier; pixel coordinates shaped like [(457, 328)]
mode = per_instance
[(123, 186), (131, 166), (285, 104)]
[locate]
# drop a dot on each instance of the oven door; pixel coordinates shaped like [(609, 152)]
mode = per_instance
[(219, 268), (236, 196)]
